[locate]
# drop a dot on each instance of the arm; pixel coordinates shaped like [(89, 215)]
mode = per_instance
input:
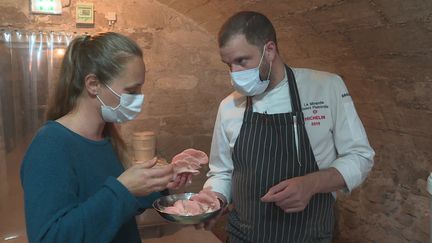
[(346, 172), (220, 162), (355, 155), (221, 167), (54, 213), (147, 201), (333, 178), (293, 195)]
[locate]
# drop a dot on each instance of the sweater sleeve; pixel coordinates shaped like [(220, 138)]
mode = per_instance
[(54, 212), (147, 201)]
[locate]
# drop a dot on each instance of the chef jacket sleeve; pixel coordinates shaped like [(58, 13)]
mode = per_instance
[(355, 155), (220, 161)]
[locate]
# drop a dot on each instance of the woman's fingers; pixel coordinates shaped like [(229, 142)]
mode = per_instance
[(159, 171), (180, 181), (174, 184), (142, 178), (147, 164), (189, 178), (183, 179)]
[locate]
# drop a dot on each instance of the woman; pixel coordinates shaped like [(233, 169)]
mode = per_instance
[(75, 185)]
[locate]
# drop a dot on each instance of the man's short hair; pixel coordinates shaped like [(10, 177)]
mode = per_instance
[(255, 26)]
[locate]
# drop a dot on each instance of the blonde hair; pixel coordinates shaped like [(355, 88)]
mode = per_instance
[(104, 55)]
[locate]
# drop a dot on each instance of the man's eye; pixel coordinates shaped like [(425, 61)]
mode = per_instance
[(133, 92)]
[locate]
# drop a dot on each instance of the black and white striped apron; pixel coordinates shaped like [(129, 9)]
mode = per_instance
[(265, 153)]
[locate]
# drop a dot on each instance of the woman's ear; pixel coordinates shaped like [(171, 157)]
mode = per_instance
[(92, 84)]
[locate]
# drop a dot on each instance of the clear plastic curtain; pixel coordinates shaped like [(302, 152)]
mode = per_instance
[(28, 67)]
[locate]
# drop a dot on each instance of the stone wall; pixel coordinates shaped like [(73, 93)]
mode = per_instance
[(184, 79), (381, 48)]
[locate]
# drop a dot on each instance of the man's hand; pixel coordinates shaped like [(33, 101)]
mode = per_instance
[(292, 195), (208, 225)]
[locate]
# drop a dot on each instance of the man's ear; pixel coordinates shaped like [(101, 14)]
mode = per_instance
[(271, 50), (92, 84)]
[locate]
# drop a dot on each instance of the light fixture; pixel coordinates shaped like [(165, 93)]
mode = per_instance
[(60, 52), (46, 6)]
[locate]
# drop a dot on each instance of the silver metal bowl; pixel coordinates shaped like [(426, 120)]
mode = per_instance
[(167, 201)]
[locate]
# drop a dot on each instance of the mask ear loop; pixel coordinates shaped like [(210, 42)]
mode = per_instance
[(268, 76), (262, 57), (97, 96), (111, 89)]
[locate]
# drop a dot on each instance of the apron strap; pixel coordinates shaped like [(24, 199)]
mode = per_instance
[(248, 102), (295, 98)]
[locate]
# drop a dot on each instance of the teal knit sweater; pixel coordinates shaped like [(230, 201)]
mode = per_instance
[(71, 193)]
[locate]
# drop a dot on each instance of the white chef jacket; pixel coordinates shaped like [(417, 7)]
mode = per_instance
[(336, 134)]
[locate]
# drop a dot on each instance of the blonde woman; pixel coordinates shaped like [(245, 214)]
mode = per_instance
[(75, 186)]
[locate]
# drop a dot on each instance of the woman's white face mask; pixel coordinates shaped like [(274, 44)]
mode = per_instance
[(128, 108), (248, 82)]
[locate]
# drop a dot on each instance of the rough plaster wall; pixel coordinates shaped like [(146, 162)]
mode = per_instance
[(381, 48)]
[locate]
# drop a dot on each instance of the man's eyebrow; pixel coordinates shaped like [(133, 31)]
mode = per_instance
[(237, 59), (133, 85)]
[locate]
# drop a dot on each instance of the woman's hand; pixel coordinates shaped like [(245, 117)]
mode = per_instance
[(180, 181), (143, 178)]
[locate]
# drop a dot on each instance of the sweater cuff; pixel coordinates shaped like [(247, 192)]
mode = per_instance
[(147, 201), (130, 203)]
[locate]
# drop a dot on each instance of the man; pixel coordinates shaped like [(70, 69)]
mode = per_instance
[(284, 142)]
